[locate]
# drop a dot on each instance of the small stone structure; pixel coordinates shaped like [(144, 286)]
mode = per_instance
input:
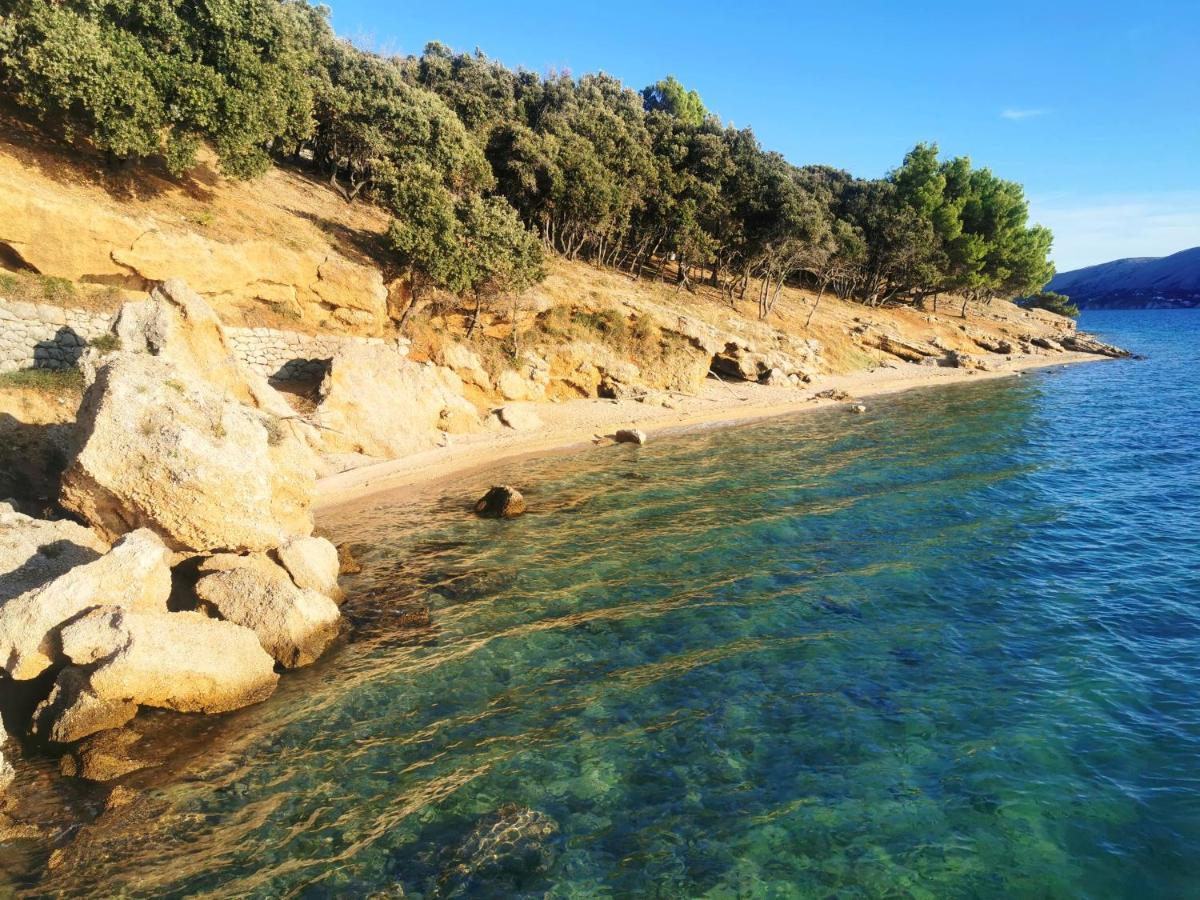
[(43, 336)]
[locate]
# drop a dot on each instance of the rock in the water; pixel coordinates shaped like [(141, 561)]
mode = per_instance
[(519, 417), (106, 757), (347, 564), (293, 624), (134, 575), (73, 712), (630, 436), (182, 661), (377, 402), (313, 563), (1085, 343), (168, 452), (858, 408), (501, 502)]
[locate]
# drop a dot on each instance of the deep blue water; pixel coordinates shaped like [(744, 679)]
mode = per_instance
[(950, 648)]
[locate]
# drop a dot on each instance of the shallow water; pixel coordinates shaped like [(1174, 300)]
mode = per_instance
[(949, 648)]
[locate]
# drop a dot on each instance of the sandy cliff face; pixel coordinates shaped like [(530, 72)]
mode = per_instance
[(279, 242)]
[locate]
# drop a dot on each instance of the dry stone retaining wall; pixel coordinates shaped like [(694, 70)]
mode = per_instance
[(41, 336)]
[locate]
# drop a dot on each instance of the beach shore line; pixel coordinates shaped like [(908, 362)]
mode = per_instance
[(581, 423)]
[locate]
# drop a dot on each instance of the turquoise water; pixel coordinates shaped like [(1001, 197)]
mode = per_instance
[(949, 648)]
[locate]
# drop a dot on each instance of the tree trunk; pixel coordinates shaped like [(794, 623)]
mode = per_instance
[(475, 315)]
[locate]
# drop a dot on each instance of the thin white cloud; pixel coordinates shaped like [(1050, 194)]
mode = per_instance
[(1091, 230), (1016, 115)]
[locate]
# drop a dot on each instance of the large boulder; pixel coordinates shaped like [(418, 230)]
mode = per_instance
[(175, 324), (314, 564), (35, 551), (519, 417), (375, 402), (293, 624), (161, 449), (134, 575), (502, 501), (73, 711), (183, 661)]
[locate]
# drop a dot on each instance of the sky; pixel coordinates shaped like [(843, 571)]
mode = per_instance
[(1094, 107)]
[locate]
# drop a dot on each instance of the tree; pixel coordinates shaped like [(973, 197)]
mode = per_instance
[(139, 80), (671, 97)]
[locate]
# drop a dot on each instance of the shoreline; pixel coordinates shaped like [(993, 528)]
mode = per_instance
[(578, 424)]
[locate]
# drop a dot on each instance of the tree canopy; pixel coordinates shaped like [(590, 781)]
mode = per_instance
[(485, 168)]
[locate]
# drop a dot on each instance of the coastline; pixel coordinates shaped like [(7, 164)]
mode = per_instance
[(581, 423)]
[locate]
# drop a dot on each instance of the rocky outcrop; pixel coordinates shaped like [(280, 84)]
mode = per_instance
[(500, 502), (743, 362), (465, 363), (164, 450), (134, 575), (377, 403), (183, 661), (316, 286), (176, 325), (293, 624), (1085, 343)]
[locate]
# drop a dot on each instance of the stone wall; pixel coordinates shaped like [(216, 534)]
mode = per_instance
[(41, 336), (292, 356)]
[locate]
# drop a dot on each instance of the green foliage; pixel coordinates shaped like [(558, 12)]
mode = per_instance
[(107, 342), (1055, 303), (675, 100), (53, 381), (156, 79)]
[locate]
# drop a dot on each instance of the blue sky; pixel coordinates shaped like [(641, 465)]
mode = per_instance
[(1094, 107)]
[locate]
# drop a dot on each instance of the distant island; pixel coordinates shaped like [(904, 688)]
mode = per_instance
[(1168, 282)]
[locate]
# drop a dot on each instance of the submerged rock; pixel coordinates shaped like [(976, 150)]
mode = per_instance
[(106, 757), (500, 502), (134, 575), (504, 851), (163, 450), (295, 625), (182, 661)]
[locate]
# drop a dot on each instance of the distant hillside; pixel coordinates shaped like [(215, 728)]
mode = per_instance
[(1136, 283)]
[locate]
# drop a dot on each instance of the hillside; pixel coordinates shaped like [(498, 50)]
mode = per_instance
[(1136, 283)]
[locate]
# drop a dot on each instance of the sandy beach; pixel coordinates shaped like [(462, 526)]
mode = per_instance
[(586, 422)]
